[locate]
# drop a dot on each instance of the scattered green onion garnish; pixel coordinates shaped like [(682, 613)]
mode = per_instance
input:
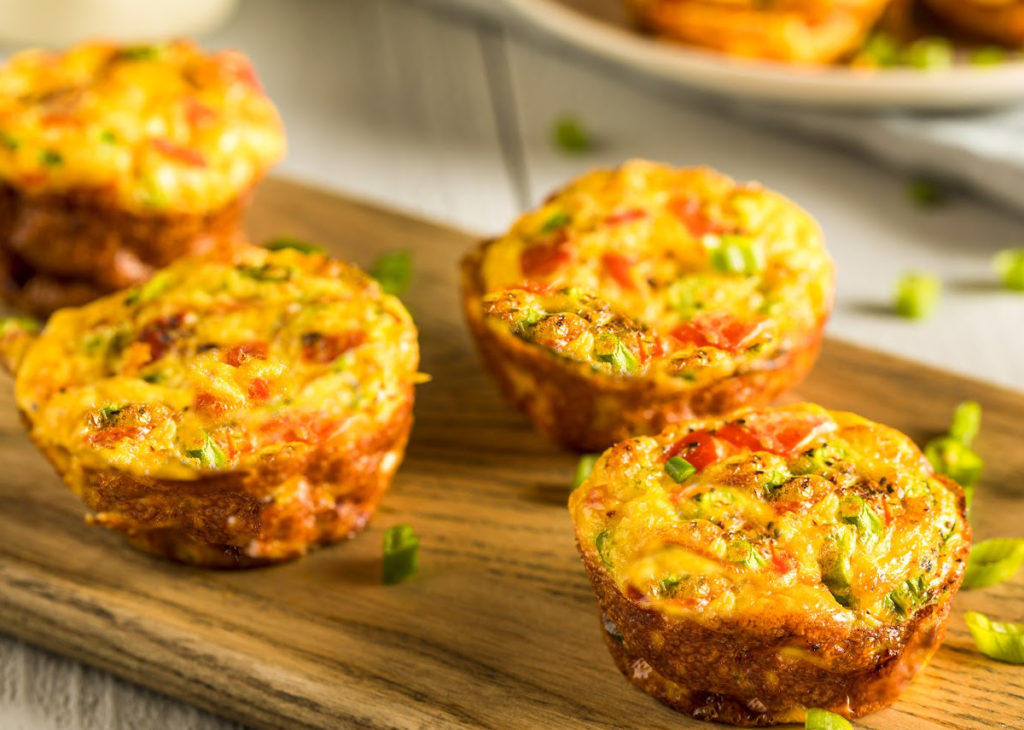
[(993, 561), (393, 271), (601, 543), (966, 422), (679, 469), (570, 135), (929, 54), (817, 719), (917, 295), (266, 272), (584, 467), (854, 510), (882, 49), (609, 348), (737, 255), (558, 219), (1010, 265), (285, 242), (999, 640), (19, 324), (926, 193), (138, 53), (108, 137), (150, 290), (741, 551), (954, 459), (209, 454), (988, 56), (50, 158), (9, 142), (401, 554)]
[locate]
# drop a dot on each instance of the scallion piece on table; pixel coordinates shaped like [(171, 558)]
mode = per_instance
[(993, 561), (955, 459), (988, 56), (817, 719), (401, 554), (1010, 265), (999, 640), (570, 135), (882, 49), (929, 54), (393, 271), (18, 324), (284, 242), (966, 422), (917, 295), (679, 469), (584, 467)]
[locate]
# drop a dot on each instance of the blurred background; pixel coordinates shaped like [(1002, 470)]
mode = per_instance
[(468, 111)]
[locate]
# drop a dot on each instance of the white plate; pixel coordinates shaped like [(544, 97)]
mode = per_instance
[(603, 27)]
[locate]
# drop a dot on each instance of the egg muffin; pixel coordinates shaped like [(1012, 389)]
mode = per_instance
[(997, 20), (646, 294), (797, 31), (225, 413), (117, 160), (751, 567)]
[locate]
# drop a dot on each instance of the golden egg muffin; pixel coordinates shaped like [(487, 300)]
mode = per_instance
[(795, 31), (225, 413), (751, 567), (646, 294), (117, 160), (997, 20)]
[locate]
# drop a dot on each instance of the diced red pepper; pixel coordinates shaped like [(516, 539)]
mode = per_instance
[(60, 119), (160, 334), (181, 154), (888, 514), (700, 448), (688, 210), (625, 216), (259, 389), (787, 433), (544, 259), (197, 113), (722, 331), (210, 405), (110, 436), (321, 348), (740, 436), (307, 427), (782, 560), (246, 351), (620, 268)]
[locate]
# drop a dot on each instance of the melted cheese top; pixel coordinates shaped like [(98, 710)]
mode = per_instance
[(793, 510), (211, 366), (708, 272), (148, 128)]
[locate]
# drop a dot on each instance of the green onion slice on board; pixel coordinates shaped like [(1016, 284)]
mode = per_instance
[(817, 719), (999, 640), (401, 554), (993, 561), (584, 467)]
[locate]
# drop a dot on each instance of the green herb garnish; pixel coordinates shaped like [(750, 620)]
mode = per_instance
[(929, 54), (208, 455), (51, 158), (818, 719), (583, 468), (679, 469), (737, 255), (1010, 266), (401, 559), (287, 242), (393, 271), (993, 561), (999, 640), (570, 135), (917, 295), (558, 219)]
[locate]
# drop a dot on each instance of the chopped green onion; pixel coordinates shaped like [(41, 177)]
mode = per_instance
[(917, 295), (601, 543), (9, 141), (988, 56), (854, 511), (993, 561), (287, 242), (737, 255), (570, 135), (401, 554), (393, 271), (818, 719), (929, 54), (558, 219), (999, 640), (108, 137), (909, 595), (882, 49), (51, 158), (926, 193), (110, 410), (609, 348), (18, 324), (741, 551), (138, 53), (266, 272), (679, 469), (966, 422), (836, 572), (666, 586), (1010, 265), (150, 290), (208, 455), (584, 467), (951, 457)]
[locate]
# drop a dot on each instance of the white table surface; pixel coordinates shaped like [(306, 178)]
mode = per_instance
[(446, 113)]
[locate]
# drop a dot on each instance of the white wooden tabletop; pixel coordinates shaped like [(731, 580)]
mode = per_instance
[(446, 113)]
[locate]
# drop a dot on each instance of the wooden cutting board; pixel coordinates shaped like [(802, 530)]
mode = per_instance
[(500, 629)]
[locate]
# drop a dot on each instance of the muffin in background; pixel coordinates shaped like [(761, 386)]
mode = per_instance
[(116, 160)]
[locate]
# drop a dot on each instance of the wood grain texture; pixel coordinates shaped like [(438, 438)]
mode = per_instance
[(500, 629)]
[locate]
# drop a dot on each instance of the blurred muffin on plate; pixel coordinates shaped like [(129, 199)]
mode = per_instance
[(116, 160)]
